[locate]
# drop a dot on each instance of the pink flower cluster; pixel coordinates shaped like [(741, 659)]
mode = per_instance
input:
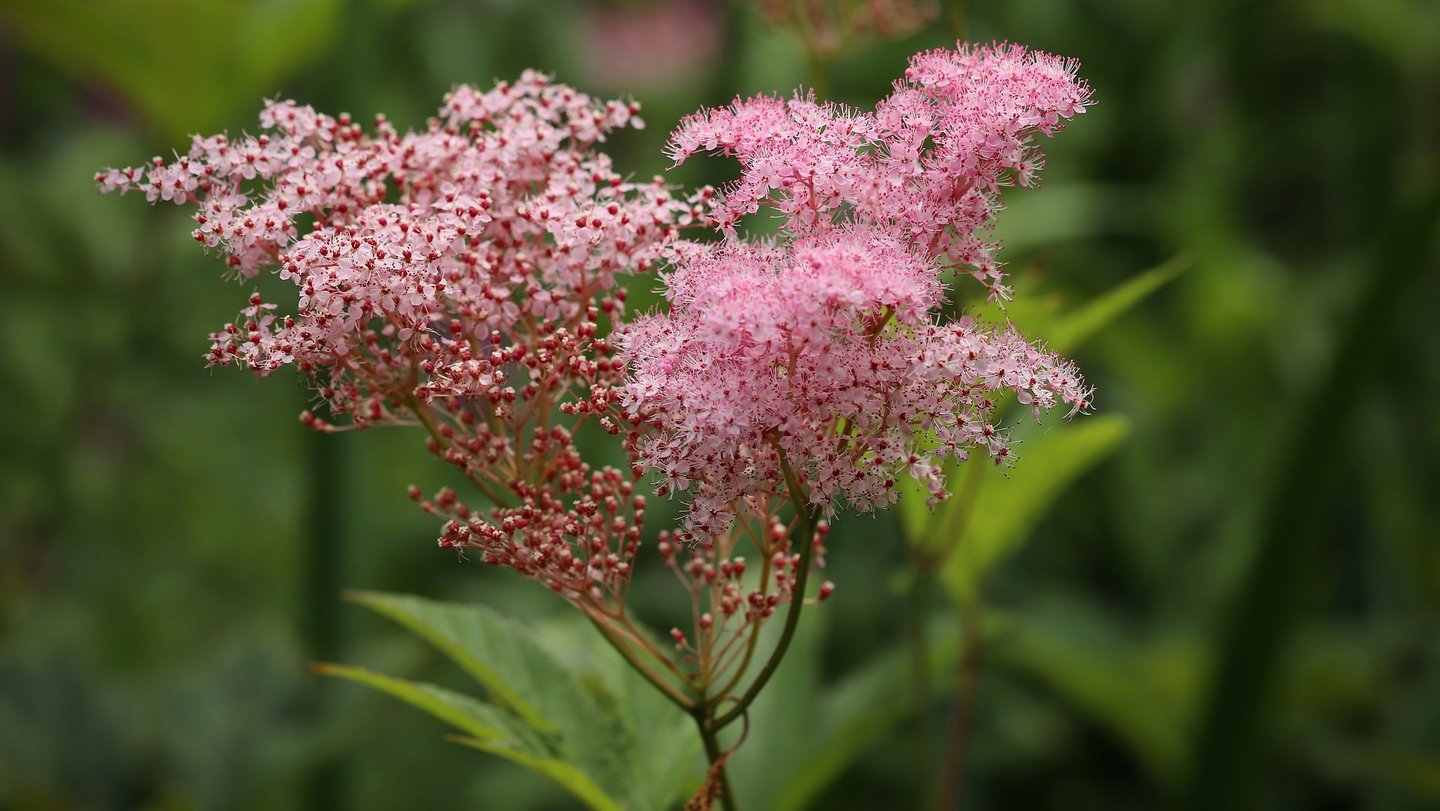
[(927, 163), (460, 277), (497, 217), (825, 351), (463, 277)]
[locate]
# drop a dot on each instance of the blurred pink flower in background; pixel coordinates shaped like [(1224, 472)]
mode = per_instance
[(649, 46)]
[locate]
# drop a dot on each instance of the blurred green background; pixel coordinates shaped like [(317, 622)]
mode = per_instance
[(1237, 605)]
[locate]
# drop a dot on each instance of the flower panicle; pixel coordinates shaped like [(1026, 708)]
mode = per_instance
[(928, 161), (462, 277), (407, 251), (829, 346)]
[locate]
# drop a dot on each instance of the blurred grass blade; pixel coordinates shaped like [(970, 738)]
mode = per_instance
[(1006, 509), (1142, 694), (1074, 328), (1294, 523), (857, 711), (915, 515)]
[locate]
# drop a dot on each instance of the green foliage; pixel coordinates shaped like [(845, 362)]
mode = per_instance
[(985, 520), (1006, 508), (597, 730), (802, 718), (489, 729), (1142, 694), (1071, 330), (152, 519), (189, 65), (1063, 330), (860, 709)]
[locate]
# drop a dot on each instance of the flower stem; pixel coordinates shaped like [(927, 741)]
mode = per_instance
[(809, 521), (962, 712), (710, 734), (955, 18), (920, 667), (643, 668), (427, 419)]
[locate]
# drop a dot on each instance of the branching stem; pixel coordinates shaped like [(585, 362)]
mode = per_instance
[(642, 667), (810, 520)]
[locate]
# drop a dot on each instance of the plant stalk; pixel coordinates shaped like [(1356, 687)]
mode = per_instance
[(710, 734), (662, 684), (962, 711), (920, 667), (955, 18), (809, 521)]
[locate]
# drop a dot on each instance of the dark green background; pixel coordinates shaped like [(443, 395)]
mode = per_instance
[(1250, 584)]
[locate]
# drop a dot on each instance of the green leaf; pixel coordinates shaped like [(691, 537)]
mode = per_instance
[(1144, 693), (1006, 509), (565, 685), (800, 719), (1144, 690), (1075, 327), (1071, 211), (188, 64), (557, 770), (466, 713), (859, 709), (492, 649), (784, 718), (666, 745), (488, 728), (1042, 315)]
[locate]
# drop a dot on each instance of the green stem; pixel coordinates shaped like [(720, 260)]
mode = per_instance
[(955, 18), (962, 711), (324, 568), (327, 783), (710, 734), (641, 666), (754, 634), (920, 665), (422, 413), (810, 519)]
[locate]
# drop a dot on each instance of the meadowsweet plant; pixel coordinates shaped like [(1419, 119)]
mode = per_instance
[(463, 279)]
